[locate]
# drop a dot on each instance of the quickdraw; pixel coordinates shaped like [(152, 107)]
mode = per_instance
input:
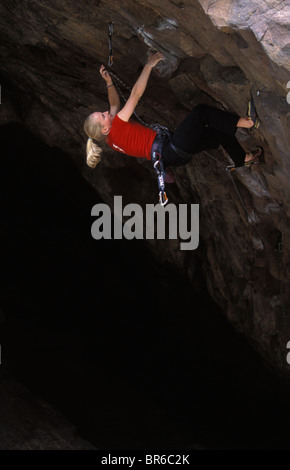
[(111, 30), (159, 168), (156, 157)]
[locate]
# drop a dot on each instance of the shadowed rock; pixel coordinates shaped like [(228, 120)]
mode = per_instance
[(216, 52)]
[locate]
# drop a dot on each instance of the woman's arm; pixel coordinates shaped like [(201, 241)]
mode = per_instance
[(113, 96), (139, 87)]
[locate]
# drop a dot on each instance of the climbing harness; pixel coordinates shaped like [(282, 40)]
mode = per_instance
[(181, 153), (111, 30)]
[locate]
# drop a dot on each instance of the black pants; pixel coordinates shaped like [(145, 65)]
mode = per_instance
[(203, 129)]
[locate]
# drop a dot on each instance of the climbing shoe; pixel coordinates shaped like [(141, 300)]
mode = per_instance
[(255, 157), (252, 114)]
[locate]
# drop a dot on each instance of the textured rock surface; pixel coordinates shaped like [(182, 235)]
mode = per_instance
[(27, 423), (217, 52)]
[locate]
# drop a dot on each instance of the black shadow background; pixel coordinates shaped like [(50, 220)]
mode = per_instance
[(120, 344)]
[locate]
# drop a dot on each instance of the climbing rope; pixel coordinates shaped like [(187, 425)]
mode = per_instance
[(120, 84), (230, 173), (111, 30), (229, 169), (278, 251), (242, 200), (213, 158)]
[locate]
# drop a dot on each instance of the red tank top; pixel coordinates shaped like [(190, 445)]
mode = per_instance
[(131, 138)]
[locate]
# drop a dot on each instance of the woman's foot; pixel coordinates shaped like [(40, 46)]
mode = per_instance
[(253, 115), (253, 156), (251, 121), (246, 123)]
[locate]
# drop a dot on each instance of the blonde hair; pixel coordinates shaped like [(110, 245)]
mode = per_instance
[(94, 131)]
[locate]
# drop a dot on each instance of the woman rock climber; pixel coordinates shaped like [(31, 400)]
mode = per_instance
[(205, 127)]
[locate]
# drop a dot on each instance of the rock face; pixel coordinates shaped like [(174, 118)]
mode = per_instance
[(28, 423), (218, 52)]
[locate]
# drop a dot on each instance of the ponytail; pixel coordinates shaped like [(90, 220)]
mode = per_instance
[(94, 151)]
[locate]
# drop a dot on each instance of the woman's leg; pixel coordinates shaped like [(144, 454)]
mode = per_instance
[(229, 143), (189, 132), (207, 127)]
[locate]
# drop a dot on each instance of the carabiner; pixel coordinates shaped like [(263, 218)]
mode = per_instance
[(163, 199)]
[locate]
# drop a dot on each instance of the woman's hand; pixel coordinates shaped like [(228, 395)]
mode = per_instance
[(154, 59), (139, 87), (112, 92), (105, 75)]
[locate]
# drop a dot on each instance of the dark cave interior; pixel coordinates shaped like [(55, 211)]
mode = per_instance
[(121, 344)]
